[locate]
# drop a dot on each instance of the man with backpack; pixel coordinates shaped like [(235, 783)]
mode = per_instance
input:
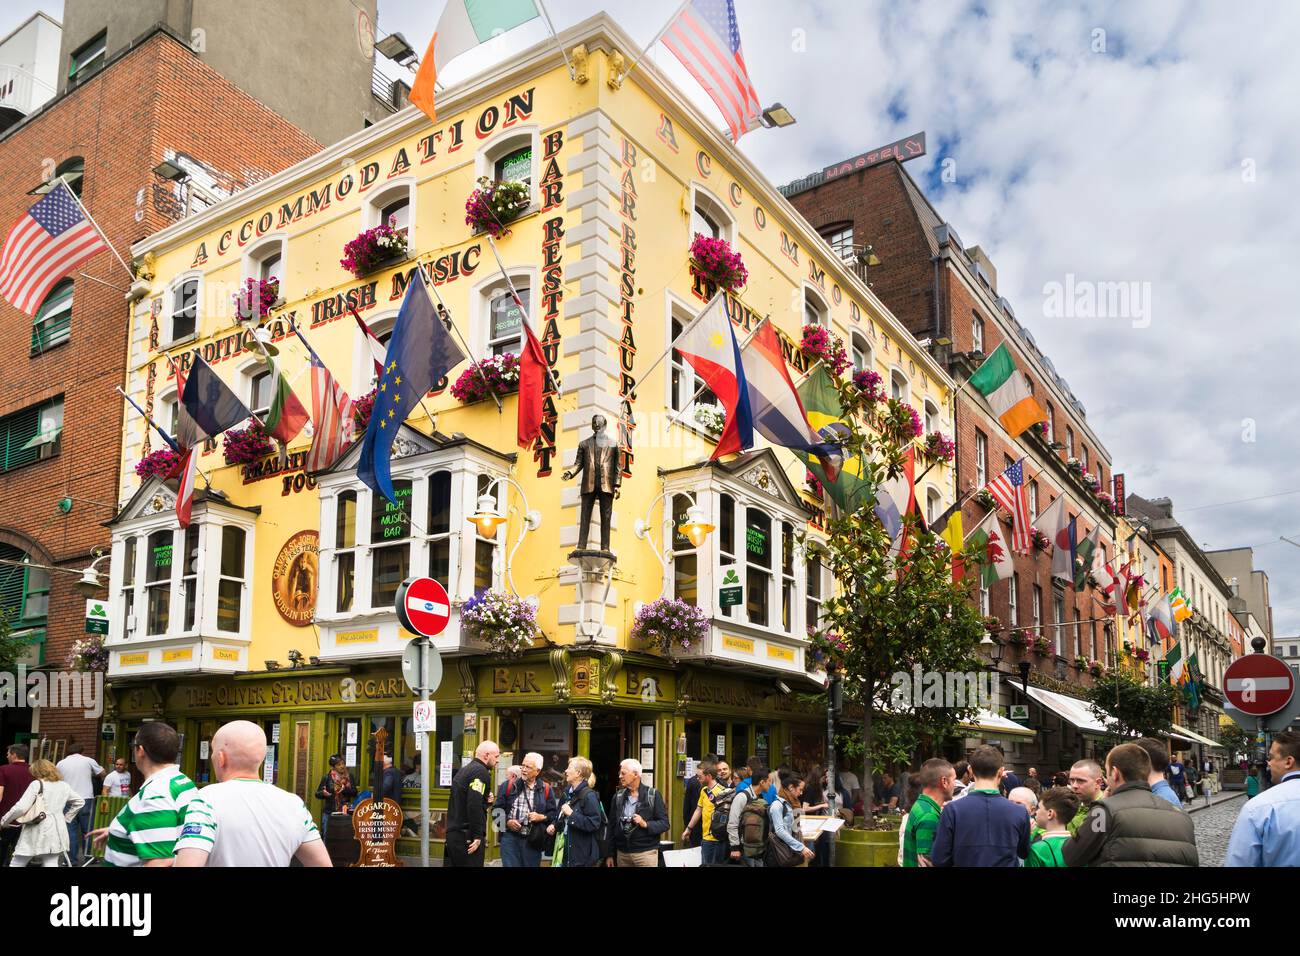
[(747, 822), (524, 808), (714, 797), (638, 819)]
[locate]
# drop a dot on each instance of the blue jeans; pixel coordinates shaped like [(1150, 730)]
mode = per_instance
[(78, 828), (515, 851), (713, 851)]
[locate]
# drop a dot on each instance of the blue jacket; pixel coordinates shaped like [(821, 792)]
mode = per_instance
[(581, 847), (981, 829)]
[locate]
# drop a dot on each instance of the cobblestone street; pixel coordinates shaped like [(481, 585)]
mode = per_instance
[(1213, 827)]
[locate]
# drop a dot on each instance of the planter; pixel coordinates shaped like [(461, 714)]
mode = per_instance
[(866, 847), (374, 249)]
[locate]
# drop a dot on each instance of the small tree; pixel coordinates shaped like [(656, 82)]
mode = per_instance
[(1236, 740), (12, 648), (1130, 707), (895, 608)]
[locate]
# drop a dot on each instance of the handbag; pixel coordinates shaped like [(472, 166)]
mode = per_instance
[(36, 812), (779, 854)]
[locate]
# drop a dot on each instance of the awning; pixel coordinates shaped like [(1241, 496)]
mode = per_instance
[(1194, 737), (1077, 712), (987, 722)]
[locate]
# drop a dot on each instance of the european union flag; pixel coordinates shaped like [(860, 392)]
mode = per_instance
[(420, 352)]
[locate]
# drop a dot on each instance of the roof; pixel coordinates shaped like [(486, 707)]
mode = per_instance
[(38, 15)]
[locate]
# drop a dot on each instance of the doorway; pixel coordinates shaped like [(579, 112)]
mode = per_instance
[(608, 749)]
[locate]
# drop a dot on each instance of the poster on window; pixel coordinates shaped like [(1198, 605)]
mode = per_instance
[(547, 732)]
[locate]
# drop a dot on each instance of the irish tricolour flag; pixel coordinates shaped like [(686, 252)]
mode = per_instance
[(1005, 387), (464, 24)]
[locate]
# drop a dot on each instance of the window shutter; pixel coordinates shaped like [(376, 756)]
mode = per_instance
[(12, 580)]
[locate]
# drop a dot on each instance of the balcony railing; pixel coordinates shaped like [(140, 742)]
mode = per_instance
[(22, 91)]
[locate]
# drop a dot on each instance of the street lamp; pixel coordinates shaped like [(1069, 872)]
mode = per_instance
[(696, 527), (488, 518), (777, 116), (395, 47)]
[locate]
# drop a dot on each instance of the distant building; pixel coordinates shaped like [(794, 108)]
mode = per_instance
[(29, 68), (1237, 565)]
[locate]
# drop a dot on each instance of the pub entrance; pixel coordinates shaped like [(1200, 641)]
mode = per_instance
[(609, 748)]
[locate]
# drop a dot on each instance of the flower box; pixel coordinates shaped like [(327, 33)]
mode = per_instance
[(254, 302), (507, 624), (247, 446), (718, 263), (163, 463), (984, 498), (870, 384), (939, 448), (712, 418), (1080, 663), (1042, 646), (362, 409), (498, 375), (88, 654), (820, 344), (373, 250), (495, 204), (1040, 540), (668, 625)]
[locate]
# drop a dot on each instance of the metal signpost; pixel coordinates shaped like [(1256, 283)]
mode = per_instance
[(1260, 692), (423, 608)]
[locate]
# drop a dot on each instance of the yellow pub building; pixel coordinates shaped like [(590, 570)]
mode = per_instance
[(277, 603)]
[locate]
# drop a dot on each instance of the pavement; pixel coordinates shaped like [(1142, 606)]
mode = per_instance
[(1223, 796), (1214, 824)]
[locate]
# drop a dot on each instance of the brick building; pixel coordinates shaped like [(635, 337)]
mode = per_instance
[(60, 421), (946, 293)]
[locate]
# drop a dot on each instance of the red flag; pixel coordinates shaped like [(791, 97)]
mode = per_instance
[(185, 490), (378, 350), (532, 381)]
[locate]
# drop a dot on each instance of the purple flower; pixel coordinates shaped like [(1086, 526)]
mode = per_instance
[(820, 343), (719, 263), (246, 446)]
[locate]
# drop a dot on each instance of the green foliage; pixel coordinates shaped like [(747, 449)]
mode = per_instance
[(12, 648), (1236, 740), (893, 611), (1129, 706)]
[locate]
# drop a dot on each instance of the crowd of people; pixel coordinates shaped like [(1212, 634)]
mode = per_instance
[(1129, 811)]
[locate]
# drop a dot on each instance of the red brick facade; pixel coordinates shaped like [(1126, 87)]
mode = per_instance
[(919, 269), (155, 98)]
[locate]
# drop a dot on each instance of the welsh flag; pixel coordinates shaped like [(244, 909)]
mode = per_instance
[(287, 416), (988, 546)]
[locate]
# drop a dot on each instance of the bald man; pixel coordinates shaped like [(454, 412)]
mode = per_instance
[(241, 820), (471, 793)]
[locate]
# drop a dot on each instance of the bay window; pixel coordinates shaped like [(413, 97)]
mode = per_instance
[(438, 527), (727, 538), (787, 576), (816, 595), (158, 581), (758, 565), (230, 582), (390, 532), (345, 554), (686, 564)]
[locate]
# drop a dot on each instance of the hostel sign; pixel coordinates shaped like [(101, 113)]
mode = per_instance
[(910, 147)]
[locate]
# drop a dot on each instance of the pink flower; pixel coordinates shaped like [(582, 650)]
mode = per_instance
[(717, 262), (820, 343)]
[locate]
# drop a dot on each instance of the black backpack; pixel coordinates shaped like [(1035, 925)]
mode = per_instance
[(754, 828), (721, 811)]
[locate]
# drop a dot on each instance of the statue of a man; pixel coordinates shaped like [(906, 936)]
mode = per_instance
[(597, 462)]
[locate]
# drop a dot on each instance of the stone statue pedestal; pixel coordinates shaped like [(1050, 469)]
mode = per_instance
[(595, 576)]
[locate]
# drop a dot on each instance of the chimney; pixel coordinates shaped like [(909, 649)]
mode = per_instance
[(984, 267)]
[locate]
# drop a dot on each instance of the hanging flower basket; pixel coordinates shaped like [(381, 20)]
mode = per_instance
[(1075, 466), (992, 624), (1040, 540), (870, 384), (1040, 429), (247, 446), (362, 408), (498, 375), (1107, 501), (495, 204), (162, 463), (88, 654), (813, 484), (826, 651), (716, 261), (712, 418), (1042, 646), (1081, 663), (254, 302), (984, 498), (374, 249), (820, 344), (507, 624), (669, 626), (1142, 654), (1096, 668), (939, 448), (1018, 638)]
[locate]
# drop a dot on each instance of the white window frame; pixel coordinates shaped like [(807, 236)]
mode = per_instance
[(1058, 619), (170, 312), (900, 383), (825, 582), (504, 143), (976, 333), (932, 419), (386, 195), (1013, 600), (249, 372), (839, 232), (701, 198), (482, 295), (984, 599), (1038, 606), (859, 345), (270, 245), (1033, 500), (812, 296), (933, 504), (981, 459), (676, 309), (1051, 422)]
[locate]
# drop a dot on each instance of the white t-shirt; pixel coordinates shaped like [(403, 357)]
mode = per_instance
[(247, 823), (79, 771), (118, 783)]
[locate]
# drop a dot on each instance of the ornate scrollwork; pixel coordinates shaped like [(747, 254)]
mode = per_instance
[(609, 676), (560, 668), (468, 692)]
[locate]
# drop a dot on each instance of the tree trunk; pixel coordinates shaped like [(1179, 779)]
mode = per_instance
[(868, 789)]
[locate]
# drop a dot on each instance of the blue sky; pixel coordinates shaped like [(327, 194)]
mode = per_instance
[(1150, 143)]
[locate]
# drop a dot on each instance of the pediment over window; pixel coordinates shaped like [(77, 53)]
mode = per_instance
[(759, 469), (411, 443), (157, 496)]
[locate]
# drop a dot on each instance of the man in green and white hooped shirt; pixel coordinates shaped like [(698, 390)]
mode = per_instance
[(144, 831), (242, 820)]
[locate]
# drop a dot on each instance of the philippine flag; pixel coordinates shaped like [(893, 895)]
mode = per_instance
[(709, 345)]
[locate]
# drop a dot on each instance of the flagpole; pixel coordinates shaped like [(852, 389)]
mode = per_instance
[(704, 388), (657, 37), (165, 437), (541, 5), (689, 325), (468, 351), (550, 377), (91, 219)]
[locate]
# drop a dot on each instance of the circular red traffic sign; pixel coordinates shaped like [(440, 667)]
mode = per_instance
[(423, 607), (1259, 684)]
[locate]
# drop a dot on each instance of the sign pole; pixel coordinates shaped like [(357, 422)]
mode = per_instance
[(424, 757)]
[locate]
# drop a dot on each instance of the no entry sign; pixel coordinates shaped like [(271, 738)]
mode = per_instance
[(423, 606), (1259, 684)]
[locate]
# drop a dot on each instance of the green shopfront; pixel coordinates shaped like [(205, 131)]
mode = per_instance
[(599, 703)]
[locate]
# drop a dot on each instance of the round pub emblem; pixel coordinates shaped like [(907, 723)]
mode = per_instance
[(293, 579)]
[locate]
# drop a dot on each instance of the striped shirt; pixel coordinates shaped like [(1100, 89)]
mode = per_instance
[(247, 822), (918, 832), (147, 827)]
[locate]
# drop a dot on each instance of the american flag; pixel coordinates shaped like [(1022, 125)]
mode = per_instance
[(331, 411), (1008, 489), (46, 243), (705, 37)]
